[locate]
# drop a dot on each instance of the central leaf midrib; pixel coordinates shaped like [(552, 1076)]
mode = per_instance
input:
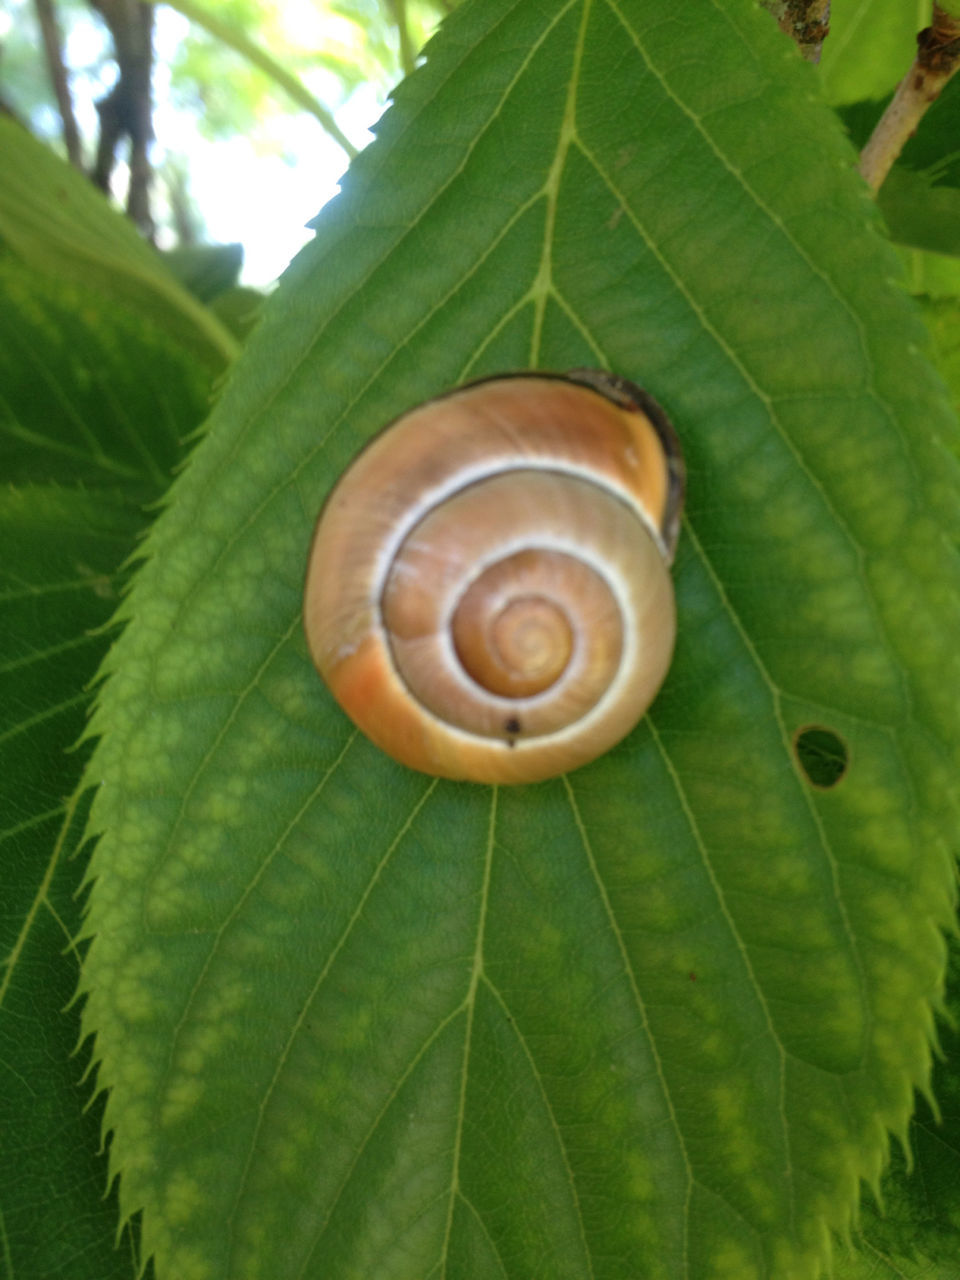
[(470, 1003)]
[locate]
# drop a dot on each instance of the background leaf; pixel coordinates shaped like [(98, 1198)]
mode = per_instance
[(54, 221), (206, 270), (95, 403), (870, 46), (652, 1019), (943, 323), (919, 214), (919, 196), (933, 275), (57, 581), (915, 1233)]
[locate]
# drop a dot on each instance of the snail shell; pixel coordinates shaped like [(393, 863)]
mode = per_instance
[(488, 593)]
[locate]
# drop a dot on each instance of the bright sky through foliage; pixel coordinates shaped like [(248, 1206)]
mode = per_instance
[(247, 193), (258, 186)]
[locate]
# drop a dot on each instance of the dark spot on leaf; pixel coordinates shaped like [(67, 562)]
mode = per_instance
[(822, 755)]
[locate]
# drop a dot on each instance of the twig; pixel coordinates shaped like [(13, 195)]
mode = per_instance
[(806, 22), (53, 47), (408, 55), (235, 39), (938, 58), (128, 108)]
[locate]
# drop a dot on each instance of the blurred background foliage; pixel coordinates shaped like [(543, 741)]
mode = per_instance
[(224, 80)]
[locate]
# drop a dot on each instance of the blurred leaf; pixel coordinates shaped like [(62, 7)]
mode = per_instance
[(206, 270), (651, 1020), (356, 40), (935, 275), (89, 393), (54, 221), (918, 1229), (228, 34), (239, 309), (870, 46), (94, 406), (227, 94), (943, 321), (918, 214), (58, 583)]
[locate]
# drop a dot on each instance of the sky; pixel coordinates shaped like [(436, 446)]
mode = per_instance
[(262, 201)]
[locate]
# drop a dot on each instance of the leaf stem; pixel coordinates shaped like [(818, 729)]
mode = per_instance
[(235, 39), (938, 58)]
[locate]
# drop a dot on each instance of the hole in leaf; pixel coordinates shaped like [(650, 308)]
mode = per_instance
[(822, 755)]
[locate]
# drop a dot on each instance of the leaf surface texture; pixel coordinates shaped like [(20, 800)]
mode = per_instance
[(651, 1019)]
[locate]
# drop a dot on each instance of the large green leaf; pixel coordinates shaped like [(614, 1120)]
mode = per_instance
[(94, 406), (653, 1019), (870, 46)]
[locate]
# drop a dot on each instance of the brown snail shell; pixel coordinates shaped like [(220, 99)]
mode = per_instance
[(488, 593)]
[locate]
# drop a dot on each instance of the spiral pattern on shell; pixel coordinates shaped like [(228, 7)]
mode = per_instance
[(488, 593)]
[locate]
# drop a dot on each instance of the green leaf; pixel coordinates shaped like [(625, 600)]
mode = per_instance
[(89, 393), (654, 1019), (943, 321), (935, 275), (870, 46), (58, 584), (915, 1233), (239, 309), (207, 270), (54, 221), (921, 215), (94, 405), (871, 1263)]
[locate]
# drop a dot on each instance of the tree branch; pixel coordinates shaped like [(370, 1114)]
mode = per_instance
[(127, 110), (806, 22), (53, 47), (938, 58)]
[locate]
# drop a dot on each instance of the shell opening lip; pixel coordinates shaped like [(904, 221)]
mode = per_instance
[(627, 395), (612, 387)]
